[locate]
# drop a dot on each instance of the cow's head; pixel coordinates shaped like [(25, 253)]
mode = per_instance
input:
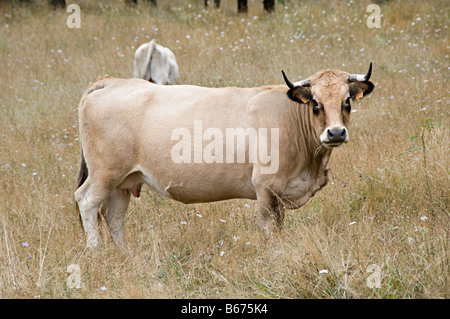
[(328, 94)]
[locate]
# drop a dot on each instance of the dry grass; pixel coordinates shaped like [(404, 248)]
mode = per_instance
[(386, 203)]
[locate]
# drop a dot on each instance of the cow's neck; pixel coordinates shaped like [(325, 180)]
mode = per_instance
[(318, 169), (313, 157)]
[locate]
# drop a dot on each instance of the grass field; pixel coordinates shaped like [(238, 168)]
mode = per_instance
[(384, 213)]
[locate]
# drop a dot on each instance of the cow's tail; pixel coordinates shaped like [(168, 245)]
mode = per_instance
[(146, 67), (83, 171), (83, 174)]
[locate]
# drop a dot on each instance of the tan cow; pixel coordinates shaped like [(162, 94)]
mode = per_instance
[(155, 63), (196, 144)]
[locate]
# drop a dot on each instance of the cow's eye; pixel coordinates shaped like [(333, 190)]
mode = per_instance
[(316, 107), (346, 106)]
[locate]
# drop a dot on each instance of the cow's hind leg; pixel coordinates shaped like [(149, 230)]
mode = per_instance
[(114, 211), (90, 197)]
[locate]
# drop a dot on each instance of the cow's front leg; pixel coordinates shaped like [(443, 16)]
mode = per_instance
[(271, 210)]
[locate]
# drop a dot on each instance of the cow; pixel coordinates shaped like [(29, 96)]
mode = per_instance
[(133, 132), (155, 63)]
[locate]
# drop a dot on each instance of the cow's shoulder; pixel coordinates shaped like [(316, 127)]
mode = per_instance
[(269, 102)]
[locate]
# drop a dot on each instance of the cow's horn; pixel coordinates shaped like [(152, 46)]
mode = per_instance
[(361, 77), (288, 83), (299, 83), (303, 83)]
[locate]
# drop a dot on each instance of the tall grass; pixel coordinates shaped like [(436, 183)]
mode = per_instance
[(386, 203)]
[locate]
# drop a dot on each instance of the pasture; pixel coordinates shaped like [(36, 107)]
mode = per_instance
[(379, 229)]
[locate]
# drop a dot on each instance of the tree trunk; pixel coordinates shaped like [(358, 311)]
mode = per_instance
[(132, 3), (269, 5), (242, 6), (58, 3)]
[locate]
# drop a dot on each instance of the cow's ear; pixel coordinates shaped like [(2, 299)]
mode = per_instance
[(360, 89), (300, 94)]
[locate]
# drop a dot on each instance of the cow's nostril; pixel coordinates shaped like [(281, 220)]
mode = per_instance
[(330, 134)]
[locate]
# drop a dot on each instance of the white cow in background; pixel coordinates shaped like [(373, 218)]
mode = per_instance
[(155, 63)]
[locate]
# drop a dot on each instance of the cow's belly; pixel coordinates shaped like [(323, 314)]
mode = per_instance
[(189, 195), (198, 184)]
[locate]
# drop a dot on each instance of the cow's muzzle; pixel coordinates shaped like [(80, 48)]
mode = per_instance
[(334, 136)]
